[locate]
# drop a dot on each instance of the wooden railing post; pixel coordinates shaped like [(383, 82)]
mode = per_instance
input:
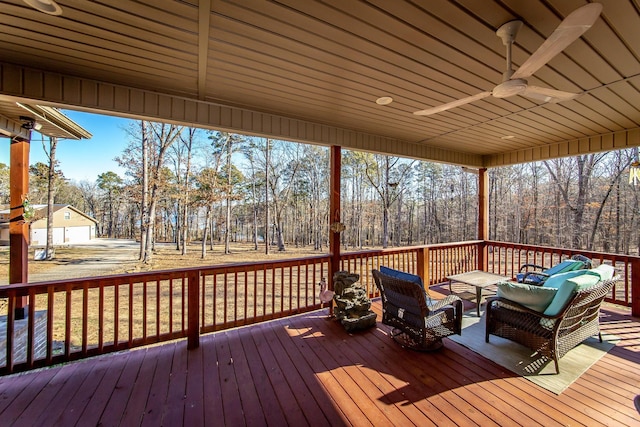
[(483, 217), (635, 287), (483, 262), (423, 266), (193, 321), (334, 214)]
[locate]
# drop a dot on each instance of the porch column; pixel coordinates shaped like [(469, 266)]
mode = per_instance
[(635, 287), (334, 211), (483, 216), (18, 228)]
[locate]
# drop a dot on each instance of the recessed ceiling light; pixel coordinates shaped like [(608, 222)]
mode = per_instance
[(45, 6), (385, 100), (507, 137)]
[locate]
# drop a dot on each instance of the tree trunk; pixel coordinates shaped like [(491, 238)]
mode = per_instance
[(204, 234), (227, 231), (144, 219), (266, 199), (187, 176), (53, 143)]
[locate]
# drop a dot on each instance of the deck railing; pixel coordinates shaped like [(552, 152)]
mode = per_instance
[(507, 258), (78, 318)]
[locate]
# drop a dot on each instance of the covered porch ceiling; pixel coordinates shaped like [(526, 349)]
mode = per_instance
[(311, 71)]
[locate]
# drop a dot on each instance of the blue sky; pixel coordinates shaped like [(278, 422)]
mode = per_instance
[(85, 159)]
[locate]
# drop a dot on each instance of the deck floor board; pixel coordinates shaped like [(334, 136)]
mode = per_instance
[(307, 370)]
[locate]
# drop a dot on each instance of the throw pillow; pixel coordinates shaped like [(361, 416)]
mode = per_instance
[(585, 281), (531, 296), (605, 271)]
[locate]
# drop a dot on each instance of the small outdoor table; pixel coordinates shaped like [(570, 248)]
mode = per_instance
[(479, 279)]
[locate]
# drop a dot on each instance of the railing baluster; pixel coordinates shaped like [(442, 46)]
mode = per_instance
[(193, 328), (158, 307), (11, 317), (67, 327), (131, 313), (235, 298), (50, 301), (171, 289), (85, 315), (144, 310), (255, 292), (246, 296), (101, 318), (31, 328), (116, 314)]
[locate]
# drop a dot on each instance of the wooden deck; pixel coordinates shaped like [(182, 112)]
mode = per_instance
[(306, 370)]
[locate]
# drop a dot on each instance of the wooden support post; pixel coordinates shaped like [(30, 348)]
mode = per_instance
[(18, 228), (635, 287), (193, 319), (483, 217), (334, 211), (423, 267)]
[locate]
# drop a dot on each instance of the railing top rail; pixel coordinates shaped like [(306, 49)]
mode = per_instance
[(410, 248), (590, 254), (126, 278)]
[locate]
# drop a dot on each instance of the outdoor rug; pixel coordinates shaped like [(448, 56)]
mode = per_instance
[(537, 369)]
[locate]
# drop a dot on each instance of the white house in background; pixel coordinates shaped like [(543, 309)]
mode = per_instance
[(70, 226)]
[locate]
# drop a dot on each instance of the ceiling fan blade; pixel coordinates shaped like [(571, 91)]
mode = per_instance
[(569, 30), (453, 104), (548, 95)]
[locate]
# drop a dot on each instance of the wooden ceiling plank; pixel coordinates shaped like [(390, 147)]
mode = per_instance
[(342, 45), (122, 71)]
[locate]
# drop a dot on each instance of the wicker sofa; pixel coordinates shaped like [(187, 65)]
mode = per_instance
[(551, 336), (418, 322)]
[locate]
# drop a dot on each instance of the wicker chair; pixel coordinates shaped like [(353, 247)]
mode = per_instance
[(418, 322), (551, 336)]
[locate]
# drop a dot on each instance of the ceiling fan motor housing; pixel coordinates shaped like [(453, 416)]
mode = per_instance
[(510, 88)]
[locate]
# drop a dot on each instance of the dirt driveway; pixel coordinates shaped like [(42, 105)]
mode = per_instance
[(103, 257)]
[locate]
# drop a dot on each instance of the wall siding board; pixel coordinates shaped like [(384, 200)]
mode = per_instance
[(106, 96), (88, 93), (151, 103), (64, 91), (121, 98), (584, 145), (136, 102), (620, 140), (52, 87)]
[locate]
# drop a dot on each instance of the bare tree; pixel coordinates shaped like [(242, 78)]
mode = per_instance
[(385, 173), (146, 165), (51, 181)]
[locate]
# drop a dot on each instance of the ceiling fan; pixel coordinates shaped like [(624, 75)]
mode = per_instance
[(514, 82)]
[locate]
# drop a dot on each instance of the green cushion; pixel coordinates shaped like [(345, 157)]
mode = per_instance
[(585, 281), (566, 291), (558, 279), (605, 271), (531, 296), (562, 297), (568, 265)]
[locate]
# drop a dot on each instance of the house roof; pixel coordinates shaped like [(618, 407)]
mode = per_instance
[(311, 71), (41, 213)]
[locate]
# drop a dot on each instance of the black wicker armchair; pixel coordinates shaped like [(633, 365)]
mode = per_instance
[(551, 336), (417, 323)]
